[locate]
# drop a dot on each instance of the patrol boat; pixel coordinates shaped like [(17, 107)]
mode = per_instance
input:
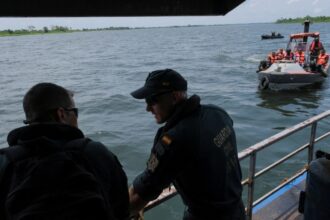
[(273, 35), (288, 73), (283, 201)]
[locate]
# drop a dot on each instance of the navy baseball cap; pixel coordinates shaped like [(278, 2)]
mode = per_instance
[(160, 81)]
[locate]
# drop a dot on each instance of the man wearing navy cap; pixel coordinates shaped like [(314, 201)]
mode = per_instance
[(195, 151)]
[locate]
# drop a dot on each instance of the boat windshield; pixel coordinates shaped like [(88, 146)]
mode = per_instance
[(296, 45), (300, 41)]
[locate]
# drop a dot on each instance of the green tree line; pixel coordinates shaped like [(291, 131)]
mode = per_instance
[(54, 29), (302, 19)]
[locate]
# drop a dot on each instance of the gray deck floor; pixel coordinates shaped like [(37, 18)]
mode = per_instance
[(283, 207)]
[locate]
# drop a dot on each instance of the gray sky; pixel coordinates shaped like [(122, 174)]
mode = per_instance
[(250, 11)]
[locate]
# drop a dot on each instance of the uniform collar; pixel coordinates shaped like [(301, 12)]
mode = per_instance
[(182, 110)]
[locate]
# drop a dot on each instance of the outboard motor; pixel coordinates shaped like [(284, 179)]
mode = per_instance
[(263, 65), (317, 195)]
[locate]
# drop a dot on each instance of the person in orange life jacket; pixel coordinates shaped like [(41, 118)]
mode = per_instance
[(300, 57), (288, 55), (280, 54), (322, 61), (52, 124), (195, 150), (271, 58), (323, 58), (314, 49)]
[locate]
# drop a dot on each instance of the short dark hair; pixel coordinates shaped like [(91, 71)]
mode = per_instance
[(42, 98)]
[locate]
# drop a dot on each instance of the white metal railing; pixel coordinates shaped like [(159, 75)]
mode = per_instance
[(251, 153)]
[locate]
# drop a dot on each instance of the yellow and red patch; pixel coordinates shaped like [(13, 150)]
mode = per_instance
[(166, 140)]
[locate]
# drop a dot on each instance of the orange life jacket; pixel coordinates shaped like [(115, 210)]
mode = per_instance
[(280, 55), (300, 58), (271, 58), (319, 46), (322, 59)]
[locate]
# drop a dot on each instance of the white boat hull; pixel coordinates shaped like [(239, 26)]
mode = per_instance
[(288, 76)]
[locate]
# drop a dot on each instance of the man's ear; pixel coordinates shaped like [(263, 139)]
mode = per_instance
[(60, 115), (178, 96), (175, 97)]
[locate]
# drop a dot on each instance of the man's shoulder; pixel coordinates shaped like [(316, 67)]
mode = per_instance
[(105, 162), (96, 150), (96, 147), (211, 107), (205, 110), (212, 113)]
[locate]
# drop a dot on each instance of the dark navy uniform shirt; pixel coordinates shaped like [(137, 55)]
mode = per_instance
[(196, 151)]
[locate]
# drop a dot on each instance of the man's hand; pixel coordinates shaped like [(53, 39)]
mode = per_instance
[(139, 216), (136, 205)]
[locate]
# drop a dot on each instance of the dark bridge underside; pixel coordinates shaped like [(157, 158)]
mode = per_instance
[(108, 8)]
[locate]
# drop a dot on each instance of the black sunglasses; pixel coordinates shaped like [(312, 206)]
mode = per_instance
[(154, 98), (74, 110)]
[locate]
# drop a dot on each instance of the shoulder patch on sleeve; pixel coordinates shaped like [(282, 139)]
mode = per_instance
[(222, 136), (166, 140)]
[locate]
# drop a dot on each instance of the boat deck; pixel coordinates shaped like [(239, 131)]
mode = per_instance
[(283, 204)]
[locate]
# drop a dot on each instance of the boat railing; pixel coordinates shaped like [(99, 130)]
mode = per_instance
[(251, 154)]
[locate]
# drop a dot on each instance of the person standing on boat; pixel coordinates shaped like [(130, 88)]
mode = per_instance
[(314, 49), (51, 171), (195, 150)]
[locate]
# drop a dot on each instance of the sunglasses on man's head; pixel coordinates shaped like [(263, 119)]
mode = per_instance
[(74, 110), (154, 98)]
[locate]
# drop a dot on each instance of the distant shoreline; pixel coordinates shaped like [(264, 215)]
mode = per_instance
[(53, 30), (318, 19), (61, 30)]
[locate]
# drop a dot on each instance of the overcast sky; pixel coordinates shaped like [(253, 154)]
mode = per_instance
[(250, 11)]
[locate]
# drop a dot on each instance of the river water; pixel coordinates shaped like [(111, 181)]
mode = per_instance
[(103, 67)]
